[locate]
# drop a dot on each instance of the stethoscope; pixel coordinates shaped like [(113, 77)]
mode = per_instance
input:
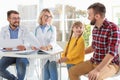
[(50, 29)]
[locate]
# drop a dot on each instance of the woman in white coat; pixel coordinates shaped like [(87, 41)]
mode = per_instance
[(46, 34)]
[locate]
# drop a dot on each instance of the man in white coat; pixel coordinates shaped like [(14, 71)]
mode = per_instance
[(14, 31)]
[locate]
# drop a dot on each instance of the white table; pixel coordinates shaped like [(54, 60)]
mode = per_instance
[(34, 55)]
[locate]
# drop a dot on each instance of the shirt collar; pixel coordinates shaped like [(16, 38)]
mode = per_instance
[(44, 26), (105, 23), (13, 30)]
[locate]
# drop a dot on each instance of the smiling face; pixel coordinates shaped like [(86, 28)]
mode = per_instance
[(46, 18), (91, 16), (96, 13), (14, 20), (78, 30)]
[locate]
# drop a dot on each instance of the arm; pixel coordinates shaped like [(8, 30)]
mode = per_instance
[(78, 50), (113, 44), (63, 58), (31, 39), (95, 72), (108, 58), (112, 47), (53, 39), (89, 50)]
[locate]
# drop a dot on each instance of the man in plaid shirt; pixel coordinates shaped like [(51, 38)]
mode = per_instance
[(105, 41)]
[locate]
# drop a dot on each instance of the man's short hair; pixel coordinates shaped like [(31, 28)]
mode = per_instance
[(10, 12), (98, 8)]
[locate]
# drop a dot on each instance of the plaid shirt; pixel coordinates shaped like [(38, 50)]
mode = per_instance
[(105, 41)]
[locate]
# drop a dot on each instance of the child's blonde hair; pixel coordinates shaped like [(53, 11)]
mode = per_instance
[(78, 23)]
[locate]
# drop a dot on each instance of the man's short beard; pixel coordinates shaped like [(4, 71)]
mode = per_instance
[(93, 22), (14, 25)]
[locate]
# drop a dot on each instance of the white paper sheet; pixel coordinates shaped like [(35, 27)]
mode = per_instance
[(10, 43)]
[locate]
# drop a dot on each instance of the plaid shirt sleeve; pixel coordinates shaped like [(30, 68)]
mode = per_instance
[(113, 41)]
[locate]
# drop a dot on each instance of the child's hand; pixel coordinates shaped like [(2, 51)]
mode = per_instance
[(58, 61), (61, 60)]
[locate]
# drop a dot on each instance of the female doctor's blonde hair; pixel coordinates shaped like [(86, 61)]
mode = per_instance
[(42, 13)]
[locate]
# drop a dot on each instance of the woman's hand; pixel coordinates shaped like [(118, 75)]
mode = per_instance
[(33, 48), (43, 48), (48, 47)]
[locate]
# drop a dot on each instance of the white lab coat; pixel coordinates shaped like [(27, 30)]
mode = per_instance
[(23, 34), (28, 40), (47, 37)]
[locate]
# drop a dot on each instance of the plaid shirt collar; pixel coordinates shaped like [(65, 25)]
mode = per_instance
[(105, 23)]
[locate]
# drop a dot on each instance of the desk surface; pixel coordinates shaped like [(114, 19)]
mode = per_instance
[(33, 55), (55, 51), (13, 54)]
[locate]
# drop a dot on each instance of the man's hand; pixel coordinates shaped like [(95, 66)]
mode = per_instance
[(21, 47), (89, 50), (93, 75), (8, 49)]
